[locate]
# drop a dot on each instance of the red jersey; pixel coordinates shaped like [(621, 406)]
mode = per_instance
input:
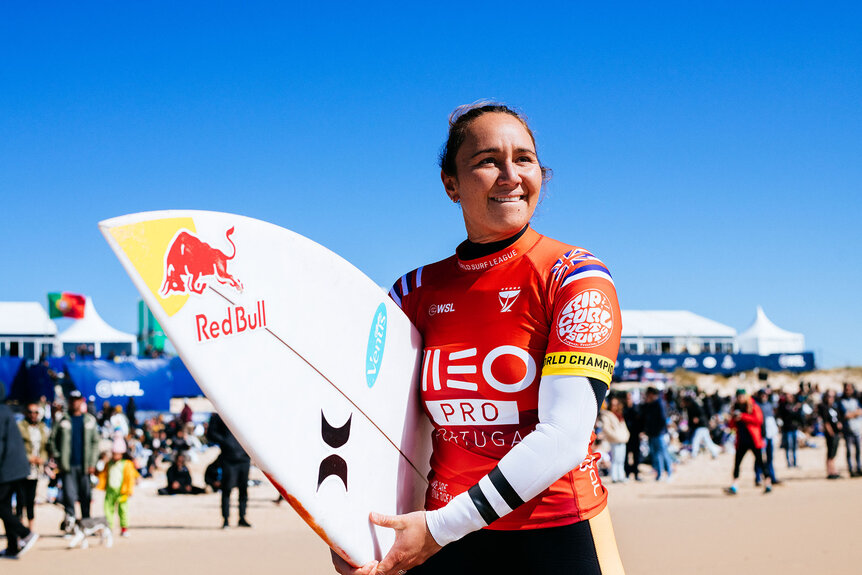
[(492, 327)]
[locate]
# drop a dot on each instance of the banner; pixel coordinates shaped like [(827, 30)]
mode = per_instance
[(9, 367), (184, 383), (149, 381), (632, 367)]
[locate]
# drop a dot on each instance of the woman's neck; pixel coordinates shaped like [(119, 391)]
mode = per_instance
[(468, 250)]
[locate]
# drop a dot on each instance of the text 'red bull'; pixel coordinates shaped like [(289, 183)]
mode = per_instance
[(190, 260), (237, 320)]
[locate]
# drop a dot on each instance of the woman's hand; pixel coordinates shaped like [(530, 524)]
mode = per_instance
[(344, 568), (413, 542)]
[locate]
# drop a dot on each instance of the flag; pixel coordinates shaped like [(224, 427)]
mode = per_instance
[(66, 305)]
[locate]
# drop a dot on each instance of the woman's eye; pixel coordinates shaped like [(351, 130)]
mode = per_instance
[(525, 159), (485, 161)]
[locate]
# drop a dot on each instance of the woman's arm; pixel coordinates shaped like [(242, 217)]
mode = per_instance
[(568, 406)]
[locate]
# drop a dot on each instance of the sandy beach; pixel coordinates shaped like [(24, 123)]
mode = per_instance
[(808, 525)]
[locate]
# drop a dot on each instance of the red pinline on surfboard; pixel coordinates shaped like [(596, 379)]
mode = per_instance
[(338, 389)]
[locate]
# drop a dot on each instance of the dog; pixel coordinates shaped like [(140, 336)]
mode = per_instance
[(78, 530)]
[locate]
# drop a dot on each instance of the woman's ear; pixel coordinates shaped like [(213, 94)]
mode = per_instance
[(450, 184)]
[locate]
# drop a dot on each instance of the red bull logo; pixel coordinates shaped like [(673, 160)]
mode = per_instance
[(191, 263)]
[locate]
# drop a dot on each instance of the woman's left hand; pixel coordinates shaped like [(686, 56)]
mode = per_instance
[(413, 542)]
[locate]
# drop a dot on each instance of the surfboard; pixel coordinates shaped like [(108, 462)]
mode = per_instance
[(307, 360)]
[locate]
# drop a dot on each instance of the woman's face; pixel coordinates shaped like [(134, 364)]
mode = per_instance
[(498, 178)]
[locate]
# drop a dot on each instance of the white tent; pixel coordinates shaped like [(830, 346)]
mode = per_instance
[(25, 318), (650, 323), (674, 331), (25, 330), (764, 337), (93, 330)]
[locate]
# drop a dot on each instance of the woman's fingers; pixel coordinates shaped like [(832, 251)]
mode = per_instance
[(344, 568), (391, 521), (413, 544)]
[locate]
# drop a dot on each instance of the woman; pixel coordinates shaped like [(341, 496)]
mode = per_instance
[(616, 433), (35, 434), (747, 419), (515, 369)]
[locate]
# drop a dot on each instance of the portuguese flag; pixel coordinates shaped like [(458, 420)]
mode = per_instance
[(66, 304)]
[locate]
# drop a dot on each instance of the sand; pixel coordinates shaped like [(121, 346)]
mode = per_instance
[(808, 525)]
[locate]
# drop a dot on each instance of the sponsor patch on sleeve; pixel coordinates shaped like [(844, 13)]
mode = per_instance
[(587, 320), (578, 363)]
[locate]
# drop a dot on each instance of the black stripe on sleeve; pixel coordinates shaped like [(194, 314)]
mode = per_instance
[(504, 488), (600, 388), (482, 505)]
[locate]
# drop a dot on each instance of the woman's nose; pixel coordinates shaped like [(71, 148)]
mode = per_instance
[(509, 173)]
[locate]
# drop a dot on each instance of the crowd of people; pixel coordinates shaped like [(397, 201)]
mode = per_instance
[(67, 443), (73, 447), (663, 428)]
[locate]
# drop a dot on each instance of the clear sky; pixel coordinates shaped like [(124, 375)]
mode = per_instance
[(709, 153)]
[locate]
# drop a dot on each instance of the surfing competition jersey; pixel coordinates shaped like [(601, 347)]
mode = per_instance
[(492, 327)]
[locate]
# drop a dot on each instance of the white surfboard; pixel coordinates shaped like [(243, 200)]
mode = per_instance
[(307, 360)]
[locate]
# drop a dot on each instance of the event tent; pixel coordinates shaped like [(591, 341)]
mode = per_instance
[(25, 330), (764, 337), (673, 331), (93, 331)]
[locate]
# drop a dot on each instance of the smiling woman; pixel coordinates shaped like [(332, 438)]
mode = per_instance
[(490, 166), (520, 335)]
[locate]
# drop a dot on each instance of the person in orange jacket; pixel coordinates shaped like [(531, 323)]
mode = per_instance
[(747, 418), (118, 480)]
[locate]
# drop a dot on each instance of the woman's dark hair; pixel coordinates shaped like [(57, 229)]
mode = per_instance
[(461, 118)]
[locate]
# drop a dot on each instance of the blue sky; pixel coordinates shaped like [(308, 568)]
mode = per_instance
[(709, 154)]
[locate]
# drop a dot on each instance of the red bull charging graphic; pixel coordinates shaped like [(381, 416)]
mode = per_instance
[(190, 263)]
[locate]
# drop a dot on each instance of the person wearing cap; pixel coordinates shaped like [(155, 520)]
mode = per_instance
[(118, 480), (74, 444), (13, 468)]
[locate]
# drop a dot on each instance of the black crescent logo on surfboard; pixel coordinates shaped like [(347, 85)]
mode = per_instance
[(334, 437)]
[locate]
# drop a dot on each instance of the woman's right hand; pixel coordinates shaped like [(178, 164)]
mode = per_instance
[(344, 568)]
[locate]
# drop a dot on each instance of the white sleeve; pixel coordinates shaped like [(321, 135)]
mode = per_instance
[(567, 416)]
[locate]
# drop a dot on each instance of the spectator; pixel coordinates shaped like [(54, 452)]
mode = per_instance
[(132, 412), (655, 427), (790, 413), (770, 432), (852, 416), (235, 467), (35, 434), (213, 474), (119, 422), (186, 413), (105, 414), (832, 428), (180, 479), (74, 444), (634, 423), (700, 430), (13, 468), (747, 418), (118, 480), (179, 444), (617, 434)]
